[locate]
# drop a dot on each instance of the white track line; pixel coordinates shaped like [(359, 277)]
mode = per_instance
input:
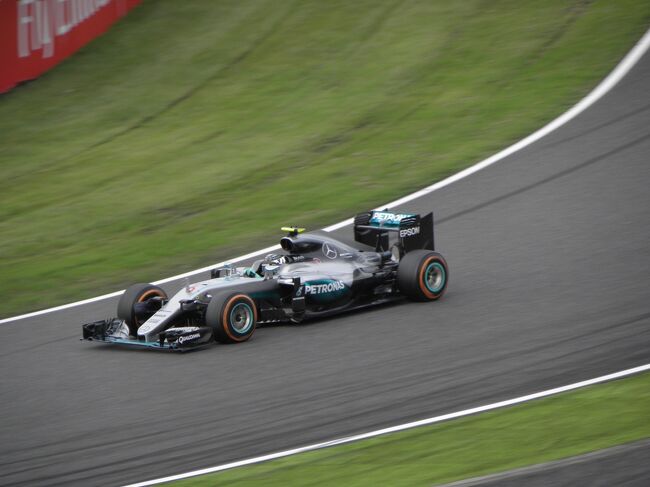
[(605, 86), (393, 429)]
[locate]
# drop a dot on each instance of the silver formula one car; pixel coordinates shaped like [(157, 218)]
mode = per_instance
[(315, 275)]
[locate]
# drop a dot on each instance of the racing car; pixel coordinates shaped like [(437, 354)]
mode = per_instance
[(393, 257)]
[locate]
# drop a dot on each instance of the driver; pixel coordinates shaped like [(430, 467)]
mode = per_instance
[(274, 259), (272, 262), (269, 265)]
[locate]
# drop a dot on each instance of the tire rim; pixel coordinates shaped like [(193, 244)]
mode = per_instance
[(434, 277), (241, 318)]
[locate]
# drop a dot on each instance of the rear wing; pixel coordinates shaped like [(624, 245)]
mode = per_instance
[(412, 231)]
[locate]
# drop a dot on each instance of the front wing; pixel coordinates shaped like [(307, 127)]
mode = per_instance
[(115, 331)]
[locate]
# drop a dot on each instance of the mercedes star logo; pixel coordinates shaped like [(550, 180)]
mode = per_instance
[(329, 251)]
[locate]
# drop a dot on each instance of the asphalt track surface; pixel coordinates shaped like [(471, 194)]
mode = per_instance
[(549, 257)]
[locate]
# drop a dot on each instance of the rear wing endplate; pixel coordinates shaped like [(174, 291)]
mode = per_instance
[(413, 231)]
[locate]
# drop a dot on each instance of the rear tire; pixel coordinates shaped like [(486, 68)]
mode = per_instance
[(422, 275), (135, 294), (232, 317)]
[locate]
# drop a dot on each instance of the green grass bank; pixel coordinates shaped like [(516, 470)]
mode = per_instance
[(549, 429), (193, 130)]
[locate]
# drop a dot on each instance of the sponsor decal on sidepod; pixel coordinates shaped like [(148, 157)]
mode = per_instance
[(324, 288)]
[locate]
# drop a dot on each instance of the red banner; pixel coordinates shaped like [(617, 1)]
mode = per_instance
[(36, 35)]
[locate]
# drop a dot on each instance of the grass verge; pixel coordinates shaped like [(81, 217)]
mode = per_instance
[(549, 429), (193, 130)]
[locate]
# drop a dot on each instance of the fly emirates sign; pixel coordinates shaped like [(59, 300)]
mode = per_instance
[(36, 35), (39, 21)]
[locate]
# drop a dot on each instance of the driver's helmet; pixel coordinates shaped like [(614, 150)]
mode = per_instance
[(274, 259), (271, 263)]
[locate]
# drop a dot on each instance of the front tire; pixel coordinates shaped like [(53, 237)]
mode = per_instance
[(232, 317), (422, 275), (132, 297)]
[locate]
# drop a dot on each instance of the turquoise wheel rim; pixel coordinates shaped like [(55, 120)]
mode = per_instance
[(241, 318), (435, 277)]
